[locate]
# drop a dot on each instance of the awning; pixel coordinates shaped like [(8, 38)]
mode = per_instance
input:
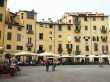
[(25, 53), (79, 56), (1, 48), (66, 56), (48, 54)]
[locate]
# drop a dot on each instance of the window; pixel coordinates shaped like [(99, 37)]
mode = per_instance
[(77, 48), (102, 18), (97, 38), (87, 48), (60, 28), (9, 36), (95, 47), (94, 38), (19, 47), (1, 16), (86, 27), (59, 45), (70, 21), (29, 27), (94, 27), (30, 40), (30, 15), (94, 18), (41, 36), (50, 25), (86, 38), (19, 28), (77, 38), (59, 36), (50, 47), (85, 18), (69, 46), (69, 27), (22, 15), (0, 34), (9, 26), (41, 47), (29, 49), (103, 29), (104, 38), (18, 37), (105, 49), (8, 46), (1, 3), (41, 24)]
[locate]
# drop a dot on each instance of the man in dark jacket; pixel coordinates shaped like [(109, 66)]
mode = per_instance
[(47, 65)]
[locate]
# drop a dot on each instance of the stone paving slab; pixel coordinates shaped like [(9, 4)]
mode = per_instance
[(64, 73)]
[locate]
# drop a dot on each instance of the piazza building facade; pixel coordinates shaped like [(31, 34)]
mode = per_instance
[(81, 36)]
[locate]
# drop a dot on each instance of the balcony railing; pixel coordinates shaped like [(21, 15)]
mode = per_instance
[(104, 39), (77, 38), (77, 30), (69, 50), (105, 52), (29, 44), (77, 52), (30, 32)]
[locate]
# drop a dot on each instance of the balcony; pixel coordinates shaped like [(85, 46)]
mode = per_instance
[(69, 50), (29, 44), (77, 38), (30, 32), (103, 30), (105, 52), (77, 29), (77, 52), (104, 38)]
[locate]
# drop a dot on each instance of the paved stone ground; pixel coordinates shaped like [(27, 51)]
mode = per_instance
[(63, 73)]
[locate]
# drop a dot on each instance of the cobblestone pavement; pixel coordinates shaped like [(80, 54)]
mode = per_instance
[(63, 73)]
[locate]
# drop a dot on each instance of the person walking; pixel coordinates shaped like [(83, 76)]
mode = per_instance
[(54, 64), (47, 65)]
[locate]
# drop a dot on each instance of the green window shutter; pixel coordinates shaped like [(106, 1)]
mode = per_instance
[(77, 47), (1, 16)]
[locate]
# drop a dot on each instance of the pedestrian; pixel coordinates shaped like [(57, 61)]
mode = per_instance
[(47, 65), (54, 64)]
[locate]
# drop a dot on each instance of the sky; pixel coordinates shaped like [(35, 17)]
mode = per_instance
[(55, 8)]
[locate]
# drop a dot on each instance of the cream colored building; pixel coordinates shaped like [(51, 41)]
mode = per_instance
[(13, 34), (19, 32), (93, 29), (81, 35), (3, 5), (28, 20), (52, 36)]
